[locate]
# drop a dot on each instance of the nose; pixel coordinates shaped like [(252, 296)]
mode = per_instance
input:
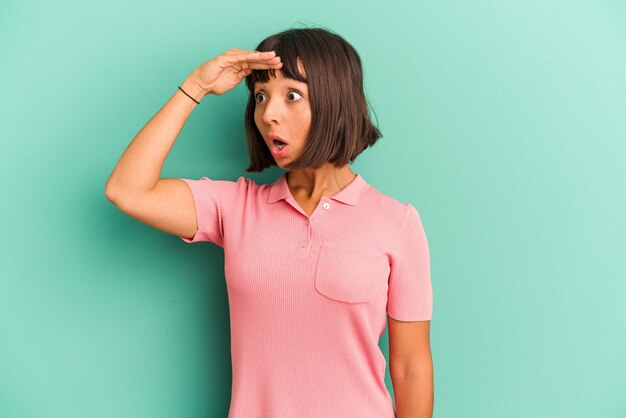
[(272, 111)]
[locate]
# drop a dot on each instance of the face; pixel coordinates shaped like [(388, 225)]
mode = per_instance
[(282, 109)]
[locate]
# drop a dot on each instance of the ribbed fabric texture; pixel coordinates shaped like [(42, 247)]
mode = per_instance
[(308, 295)]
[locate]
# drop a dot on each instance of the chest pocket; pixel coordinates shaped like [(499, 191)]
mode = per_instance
[(349, 275)]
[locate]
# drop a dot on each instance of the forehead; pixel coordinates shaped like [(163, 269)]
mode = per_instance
[(281, 79), (301, 67)]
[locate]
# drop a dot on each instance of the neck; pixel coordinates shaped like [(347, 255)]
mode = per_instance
[(326, 180)]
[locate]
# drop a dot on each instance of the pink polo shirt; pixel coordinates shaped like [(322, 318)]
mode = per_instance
[(309, 295)]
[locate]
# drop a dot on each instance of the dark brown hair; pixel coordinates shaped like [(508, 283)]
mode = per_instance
[(341, 127)]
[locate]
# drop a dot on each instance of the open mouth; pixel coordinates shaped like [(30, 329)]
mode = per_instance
[(279, 144)]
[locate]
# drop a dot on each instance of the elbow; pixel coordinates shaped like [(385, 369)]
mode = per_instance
[(413, 369), (110, 193), (114, 191)]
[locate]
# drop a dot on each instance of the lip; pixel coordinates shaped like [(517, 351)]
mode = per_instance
[(272, 137), (274, 149)]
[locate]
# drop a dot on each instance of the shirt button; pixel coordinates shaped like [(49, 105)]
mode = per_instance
[(326, 205), (305, 243)]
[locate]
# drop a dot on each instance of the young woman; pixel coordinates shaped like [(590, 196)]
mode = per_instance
[(315, 262)]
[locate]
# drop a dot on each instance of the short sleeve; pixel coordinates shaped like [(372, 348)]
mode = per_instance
[(410, 294), (213, 201)]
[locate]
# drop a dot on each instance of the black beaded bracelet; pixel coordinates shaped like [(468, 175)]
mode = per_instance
[(188, 95)]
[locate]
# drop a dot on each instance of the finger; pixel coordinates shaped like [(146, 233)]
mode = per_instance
[(261, 66), (251, 57), (258, 55), (273, 60), (237, 51)]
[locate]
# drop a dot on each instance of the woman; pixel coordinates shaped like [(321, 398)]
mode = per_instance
[(314, 261)]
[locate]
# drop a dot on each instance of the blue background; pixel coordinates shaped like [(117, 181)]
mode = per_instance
[(503, 125)]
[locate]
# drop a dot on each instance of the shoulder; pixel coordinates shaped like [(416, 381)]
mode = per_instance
[(253, 187), (241, 183), (215, 186), (242, 188), (251, 190), (388, 206)]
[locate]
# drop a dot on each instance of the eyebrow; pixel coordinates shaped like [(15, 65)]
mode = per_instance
[(286, 81), (288, 86)]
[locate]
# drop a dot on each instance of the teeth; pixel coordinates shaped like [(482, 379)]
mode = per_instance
[(279, 144)]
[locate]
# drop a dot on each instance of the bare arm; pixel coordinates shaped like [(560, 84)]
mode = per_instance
[(411, 368), (135, 186), (139, 168)]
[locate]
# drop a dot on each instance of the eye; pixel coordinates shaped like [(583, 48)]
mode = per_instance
[(256, 97), (292, 92), (290, 95)]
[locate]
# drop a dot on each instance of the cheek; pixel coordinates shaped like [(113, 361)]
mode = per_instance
[(257, 118), (306, 115), (306, 121)]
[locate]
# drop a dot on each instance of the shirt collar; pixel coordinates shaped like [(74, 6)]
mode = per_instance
[(349, 194)]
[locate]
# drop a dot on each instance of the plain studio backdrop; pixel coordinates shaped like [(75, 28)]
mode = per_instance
[(503, 124)]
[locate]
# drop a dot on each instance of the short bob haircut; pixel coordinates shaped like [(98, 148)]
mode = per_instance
[(341, 127)]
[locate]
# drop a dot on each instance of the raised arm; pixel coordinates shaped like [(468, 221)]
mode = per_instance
[(135, 186)]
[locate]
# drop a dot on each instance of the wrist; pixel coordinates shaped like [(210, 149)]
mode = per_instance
[(193, 89)]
